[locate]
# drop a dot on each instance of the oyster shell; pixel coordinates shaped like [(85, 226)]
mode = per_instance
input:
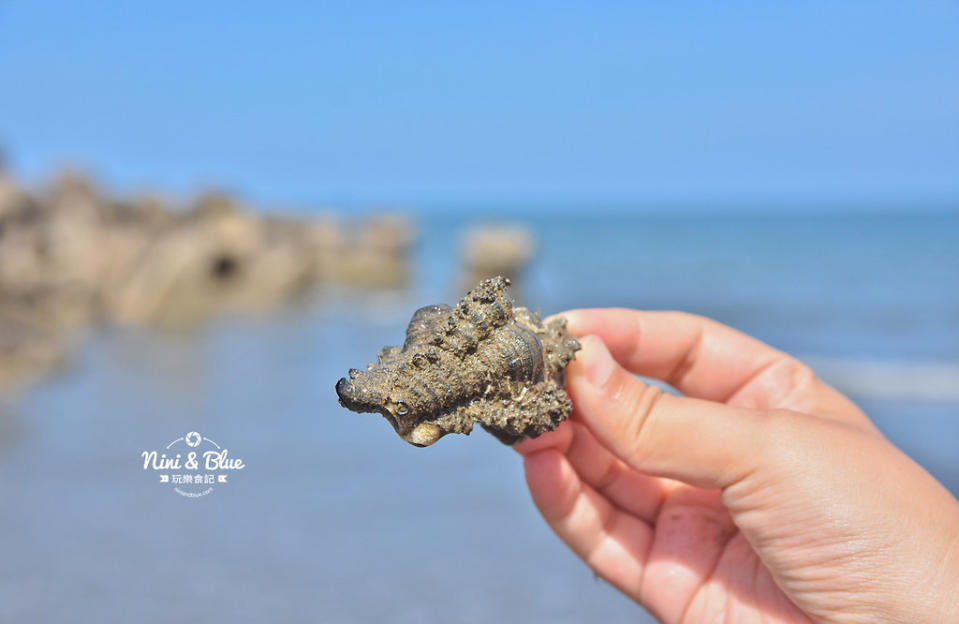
[(483, 361)]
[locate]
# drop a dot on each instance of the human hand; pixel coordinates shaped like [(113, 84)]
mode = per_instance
[(761, 495)]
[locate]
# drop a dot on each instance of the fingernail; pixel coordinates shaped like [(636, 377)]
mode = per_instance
[(597, 361)]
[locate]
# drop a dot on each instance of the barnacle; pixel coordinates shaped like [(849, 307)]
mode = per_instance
[(483, 361)]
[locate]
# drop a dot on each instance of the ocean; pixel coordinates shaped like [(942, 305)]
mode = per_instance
[(335, 519)]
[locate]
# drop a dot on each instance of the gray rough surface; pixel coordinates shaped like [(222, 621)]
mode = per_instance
[(483, 361)]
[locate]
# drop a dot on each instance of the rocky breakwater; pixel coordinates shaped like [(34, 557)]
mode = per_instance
[(72, 256)]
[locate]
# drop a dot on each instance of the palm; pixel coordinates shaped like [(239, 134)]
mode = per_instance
[(722, 579), (672, 547)]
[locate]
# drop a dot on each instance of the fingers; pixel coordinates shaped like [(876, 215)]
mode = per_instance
[(631, 491), (613, 543), (698, 356), (559, 439), (708, 360), (702, 443)]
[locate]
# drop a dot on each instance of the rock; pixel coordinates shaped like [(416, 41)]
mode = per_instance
[(213, 203), (492, 250), (187, 273), (213, 262), (26, 351), (150, 211), (326, 242), (377, 253), (71, 255), (15, 203), (63, 258)]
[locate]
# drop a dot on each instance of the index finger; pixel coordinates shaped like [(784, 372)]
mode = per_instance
[(707, 360)]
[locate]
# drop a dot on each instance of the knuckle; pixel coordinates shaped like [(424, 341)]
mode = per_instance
[(787, 377), (785, 435), (607, 476), (781, 427), (799, 373), (640, 408)]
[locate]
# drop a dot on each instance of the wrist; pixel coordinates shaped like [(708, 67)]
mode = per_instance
[(949, 579), (927, 590), (937, 600)]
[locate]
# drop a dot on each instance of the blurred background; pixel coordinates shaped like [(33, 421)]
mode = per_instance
[(210, 211)]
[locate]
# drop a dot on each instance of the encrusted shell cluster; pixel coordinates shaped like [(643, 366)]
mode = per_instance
[(483, 361)]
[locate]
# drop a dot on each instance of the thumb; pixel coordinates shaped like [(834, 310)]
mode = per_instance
[(706, 444)]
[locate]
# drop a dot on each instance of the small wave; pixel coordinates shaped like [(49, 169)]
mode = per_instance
[(869, 378)]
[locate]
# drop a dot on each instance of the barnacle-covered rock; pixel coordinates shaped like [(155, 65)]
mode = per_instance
[(483, 361)]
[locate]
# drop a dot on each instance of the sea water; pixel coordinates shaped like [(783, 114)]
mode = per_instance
[(333, 518)]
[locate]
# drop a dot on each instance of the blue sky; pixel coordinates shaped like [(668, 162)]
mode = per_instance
[(357, 102)]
